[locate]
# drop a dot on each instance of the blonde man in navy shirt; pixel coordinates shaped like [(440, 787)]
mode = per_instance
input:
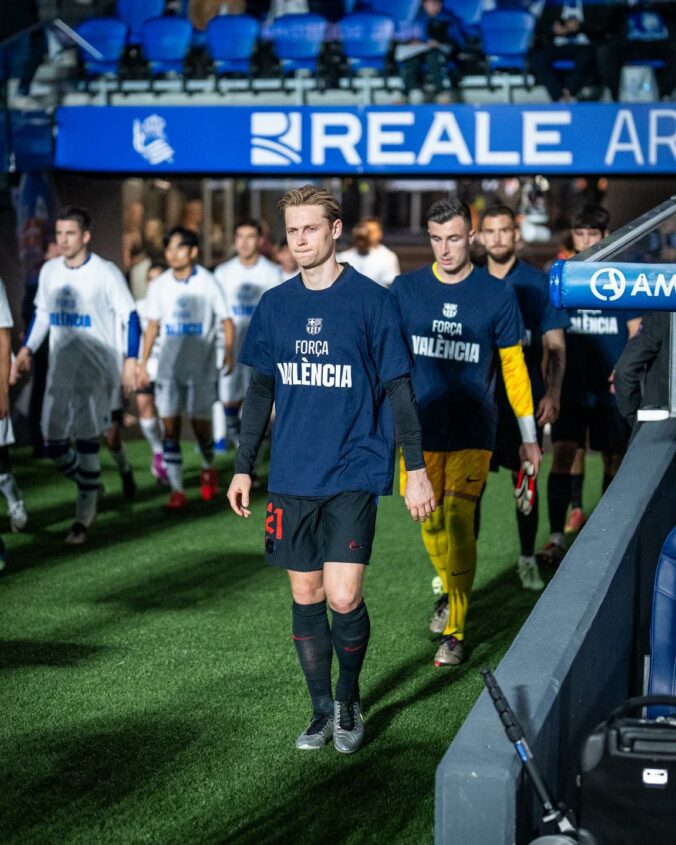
[(327, 365)]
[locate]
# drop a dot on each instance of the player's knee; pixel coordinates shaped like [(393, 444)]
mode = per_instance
[(308, 594), (344, 599), (563, 455)]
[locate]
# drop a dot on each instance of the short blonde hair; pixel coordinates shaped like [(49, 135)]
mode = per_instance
[(309, 195)]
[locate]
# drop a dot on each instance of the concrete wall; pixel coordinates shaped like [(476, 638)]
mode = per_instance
[(576, 657)]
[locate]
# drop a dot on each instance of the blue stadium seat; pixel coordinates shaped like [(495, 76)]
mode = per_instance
[(468, 12), (136, 12), (399, 10), (366, 40), (166, 42), (662, 679), (109, 37), (506, 36), (298, 40), (231, 40)]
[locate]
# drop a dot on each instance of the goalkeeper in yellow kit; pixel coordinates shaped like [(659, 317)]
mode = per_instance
[(461, 324)]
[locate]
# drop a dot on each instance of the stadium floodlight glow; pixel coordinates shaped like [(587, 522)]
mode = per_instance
[(594, 280)]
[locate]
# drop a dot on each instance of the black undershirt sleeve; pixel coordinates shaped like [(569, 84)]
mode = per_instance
[(409, 434), (256, 411)]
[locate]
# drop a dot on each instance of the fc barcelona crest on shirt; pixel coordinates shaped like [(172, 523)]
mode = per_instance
[(314, 325), (450, 309)]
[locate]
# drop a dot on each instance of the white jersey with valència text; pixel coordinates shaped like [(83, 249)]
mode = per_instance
[(84, 309), (379, 264), (242, 288), (189, 311)]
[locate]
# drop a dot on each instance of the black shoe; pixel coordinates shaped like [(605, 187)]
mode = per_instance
[(77, 535), (128, 485)]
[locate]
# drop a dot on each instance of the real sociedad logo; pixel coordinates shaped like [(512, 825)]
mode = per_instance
[(449, 309), (608, 284), (314, 325), (276, 138), (150, 140)]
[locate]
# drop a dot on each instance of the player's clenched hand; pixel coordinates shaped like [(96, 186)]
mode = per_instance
[(238, 494), (142, 378), (23, 361), (4, 405), (419, 496), (548, 409), (531, 452)]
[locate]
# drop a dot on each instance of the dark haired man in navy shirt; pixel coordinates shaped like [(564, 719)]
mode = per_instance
[(545, 345), (460, 322), (326, 347)]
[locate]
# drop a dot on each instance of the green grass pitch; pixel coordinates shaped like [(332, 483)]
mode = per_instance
[(149, 686)]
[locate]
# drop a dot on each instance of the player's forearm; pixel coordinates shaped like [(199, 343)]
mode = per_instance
[(37, 331), (256, 412), (5, 359), (149, 339), (518, 389), (409, 433), (229, 336), (556, 367)]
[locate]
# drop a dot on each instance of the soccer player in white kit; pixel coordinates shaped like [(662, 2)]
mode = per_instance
[(81, 301), (8, 485), (184, 306), (243, 280)]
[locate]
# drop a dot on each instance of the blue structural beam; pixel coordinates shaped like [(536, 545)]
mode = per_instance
[(613, 285), (576, 658)]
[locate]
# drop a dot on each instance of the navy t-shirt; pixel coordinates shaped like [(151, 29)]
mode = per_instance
[(594, 343), (454, 331), (539, 316), (330, 352)]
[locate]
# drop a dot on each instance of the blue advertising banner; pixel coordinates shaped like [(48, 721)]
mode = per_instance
[(425, 140), (613, 285)]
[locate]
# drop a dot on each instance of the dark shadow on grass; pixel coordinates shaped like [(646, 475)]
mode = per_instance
[(361, 799), (48, 547), (57, 784), (207, 581), (19, 654)]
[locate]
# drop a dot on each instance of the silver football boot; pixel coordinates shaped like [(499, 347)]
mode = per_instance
[(348, 727), (439, 618), (317, 734)]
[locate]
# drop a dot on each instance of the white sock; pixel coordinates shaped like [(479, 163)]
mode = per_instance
[(558, 538), (152, 431), (174, 464), (218, 421), (526, 559), (9, 488), (89, 481)]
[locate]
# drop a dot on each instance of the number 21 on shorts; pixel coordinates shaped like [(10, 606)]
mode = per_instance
[(273, 522)]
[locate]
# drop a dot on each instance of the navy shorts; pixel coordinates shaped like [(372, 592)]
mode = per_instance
[(596, 415), (302, 533)]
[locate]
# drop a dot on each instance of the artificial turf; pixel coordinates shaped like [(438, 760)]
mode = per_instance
[(149, 690)]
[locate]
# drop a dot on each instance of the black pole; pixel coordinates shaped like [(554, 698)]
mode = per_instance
[(553, 812)]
